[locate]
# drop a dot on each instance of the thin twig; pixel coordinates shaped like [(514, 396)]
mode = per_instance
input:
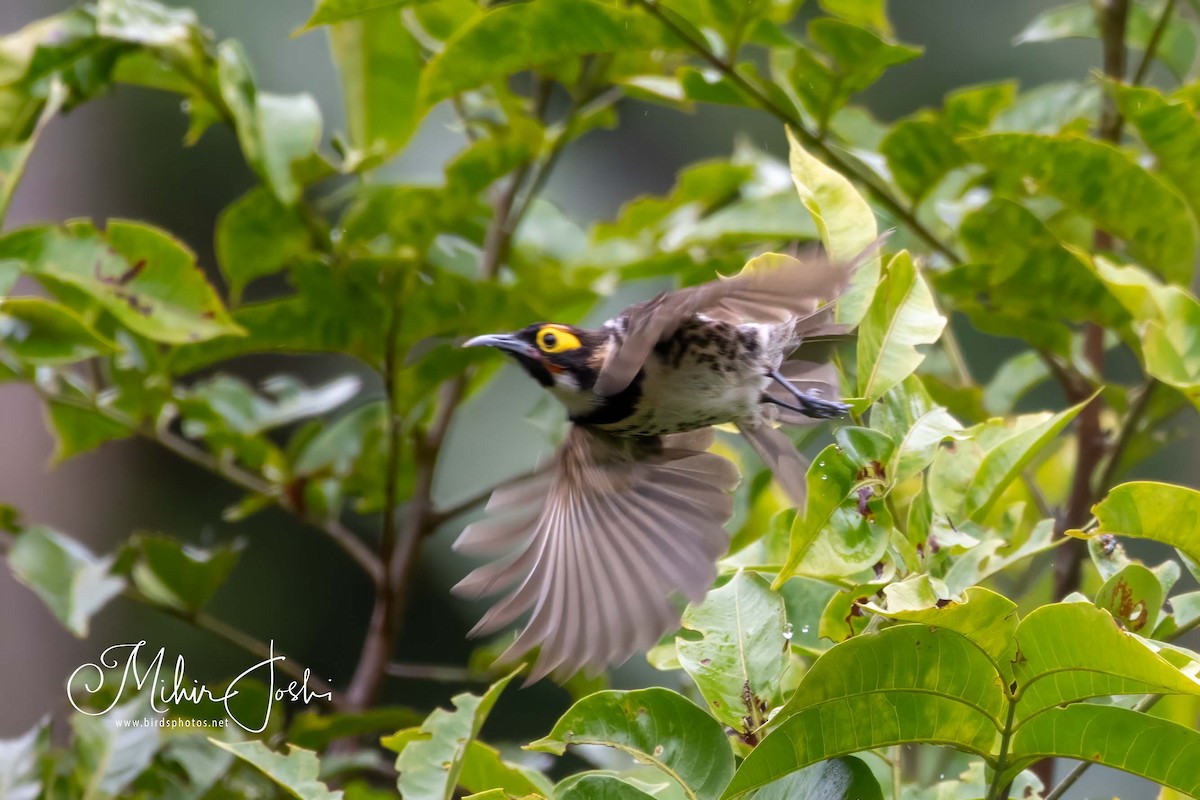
[(1112, 17), (1156, 36), (1128, 429), (437, 672), (243, 479), (793, 120), (238, 638), (401, 543)]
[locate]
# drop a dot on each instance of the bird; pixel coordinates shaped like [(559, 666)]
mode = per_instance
[(599, 544)]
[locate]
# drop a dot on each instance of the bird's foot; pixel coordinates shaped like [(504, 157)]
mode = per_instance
[(810, 406), (807, 404)]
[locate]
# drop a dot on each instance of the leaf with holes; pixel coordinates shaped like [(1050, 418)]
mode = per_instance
[(740, 653), (1148, 510), (144, 277)]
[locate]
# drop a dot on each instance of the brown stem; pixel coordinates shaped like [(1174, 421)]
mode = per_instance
[(382, 627), (400, 544), (243, 479), (1091, 446)]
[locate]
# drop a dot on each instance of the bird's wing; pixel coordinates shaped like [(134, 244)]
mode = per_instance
[(772, 288), (601, 545), (787, 464)]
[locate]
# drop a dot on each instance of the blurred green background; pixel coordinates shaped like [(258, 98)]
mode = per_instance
[(122, 157)]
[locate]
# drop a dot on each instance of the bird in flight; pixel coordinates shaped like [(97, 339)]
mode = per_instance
[(631, 510)]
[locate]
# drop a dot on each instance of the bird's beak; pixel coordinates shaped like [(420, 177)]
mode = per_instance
[(504, 341)]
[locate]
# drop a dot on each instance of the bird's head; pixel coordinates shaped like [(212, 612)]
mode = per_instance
[(563, 358)]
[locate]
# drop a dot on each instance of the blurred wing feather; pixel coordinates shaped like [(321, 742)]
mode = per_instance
[(601, 547)]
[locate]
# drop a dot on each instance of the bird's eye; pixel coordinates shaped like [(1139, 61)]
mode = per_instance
[(556, 340)]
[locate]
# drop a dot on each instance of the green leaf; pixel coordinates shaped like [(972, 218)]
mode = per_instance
[(277, 132), (44, 332), (79, 430), (1146, 213), (846, 778), (1134, 596), (656, 726), (1148, 510), (333, 310), (986, 618), (73, 583), (1171, 347), (1051, 108), (109, 752), (844, 220), (1023, 272), (856, 58), (833, 538), (1176, 48), (1013, 380), (1163, 751), (258, 236), (176, 575), (145, 278), (917, 449), (514, 37), (1074, 651), (296, 772), (741, 651), (16, 147), (901, 316), (994, 554), (920, 152), (909, 683), (866, 13), (328, 12), (430, 766), (20, 778), (314, 730), (380, 66), (1003, 462), (1171, 130), (970, 477), (484, 769), (598, 787)]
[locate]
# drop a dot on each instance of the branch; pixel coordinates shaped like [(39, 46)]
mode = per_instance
[(437, 672), (1124, 436), (400, 545), (1156, 36), (789, 117), (243, 479), (1111, 16), (238, 638), (222, 630)]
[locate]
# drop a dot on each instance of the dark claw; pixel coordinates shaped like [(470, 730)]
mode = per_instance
[(813, 407), (809, 405), (822, 409)]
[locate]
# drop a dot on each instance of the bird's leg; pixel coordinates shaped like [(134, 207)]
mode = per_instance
[(808, 405)]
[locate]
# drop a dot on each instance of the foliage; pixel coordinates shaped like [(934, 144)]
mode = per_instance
[(935, 589)]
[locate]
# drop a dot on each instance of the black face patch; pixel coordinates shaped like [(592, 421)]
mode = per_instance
[(579, 362)]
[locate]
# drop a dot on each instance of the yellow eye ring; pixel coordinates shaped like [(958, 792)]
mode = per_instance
[(553, 339)]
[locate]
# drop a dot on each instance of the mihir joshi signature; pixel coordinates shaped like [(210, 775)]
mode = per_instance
[(90, 679)]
